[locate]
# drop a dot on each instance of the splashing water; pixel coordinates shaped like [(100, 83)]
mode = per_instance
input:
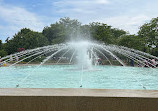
[(84, 52)]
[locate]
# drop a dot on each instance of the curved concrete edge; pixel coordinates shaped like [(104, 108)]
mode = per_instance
[(78, 92)]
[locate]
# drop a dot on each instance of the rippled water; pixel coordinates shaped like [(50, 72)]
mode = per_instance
[(68, 76)]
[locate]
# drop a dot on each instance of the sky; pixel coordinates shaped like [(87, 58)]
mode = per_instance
[(128, 15)]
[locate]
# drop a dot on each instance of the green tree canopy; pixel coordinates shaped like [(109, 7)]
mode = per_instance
[(61, 31), (1, 44), (105, 33), (131, 41), (149, 31), (2, 51), (26, 39)]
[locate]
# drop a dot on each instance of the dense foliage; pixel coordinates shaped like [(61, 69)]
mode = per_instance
[(149, 32), (26, 39), (67, 29), (2, 51)]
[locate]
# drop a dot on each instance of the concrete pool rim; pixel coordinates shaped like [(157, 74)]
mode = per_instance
[(78, 92), (71, 99)]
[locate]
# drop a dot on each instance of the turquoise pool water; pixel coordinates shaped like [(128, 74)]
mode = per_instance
[(67, 76)]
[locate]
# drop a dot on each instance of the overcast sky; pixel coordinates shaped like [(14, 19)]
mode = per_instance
[(36, 14)]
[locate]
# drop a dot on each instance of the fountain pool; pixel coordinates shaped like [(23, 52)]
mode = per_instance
[(83, 68), (66, 76)]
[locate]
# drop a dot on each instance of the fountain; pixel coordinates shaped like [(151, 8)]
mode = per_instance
[(82, 67)]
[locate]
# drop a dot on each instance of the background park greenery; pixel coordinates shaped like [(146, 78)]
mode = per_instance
[(65, 29)]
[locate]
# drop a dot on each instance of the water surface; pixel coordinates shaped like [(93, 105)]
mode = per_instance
[(68, 76)]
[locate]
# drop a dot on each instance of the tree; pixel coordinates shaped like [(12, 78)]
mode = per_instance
[(55, 31), (1, 44), (71, 28), (102, 32), (62, 31), (67, 29), (149, 31), (2, 51), (7, 39), (25, 39), (33, 40), (118, 32), (85, 32), (131, 41)]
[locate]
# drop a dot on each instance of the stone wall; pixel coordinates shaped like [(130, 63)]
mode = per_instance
[(77, 100)]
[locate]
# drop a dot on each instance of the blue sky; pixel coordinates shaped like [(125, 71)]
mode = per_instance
[(36, 14)]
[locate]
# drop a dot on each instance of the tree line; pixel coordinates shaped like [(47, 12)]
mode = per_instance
[(67, 29)]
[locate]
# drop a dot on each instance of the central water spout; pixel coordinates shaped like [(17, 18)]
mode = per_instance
[(82, 54)]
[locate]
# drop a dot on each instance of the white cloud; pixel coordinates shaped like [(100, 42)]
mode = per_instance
[(20, 17), (83, 10), (83, 6), (14, 18), (124, 14), (80, 2), (128, 23), (102, 1)]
